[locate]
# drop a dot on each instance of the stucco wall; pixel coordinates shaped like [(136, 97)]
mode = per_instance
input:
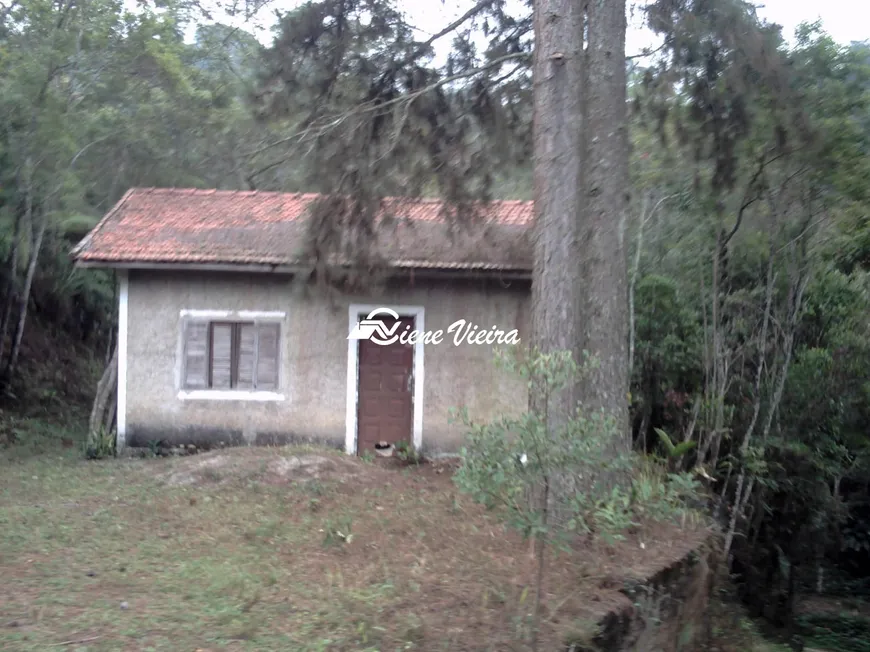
[(313, 358)]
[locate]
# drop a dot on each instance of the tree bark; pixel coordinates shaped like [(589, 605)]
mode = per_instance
[(557, 127), (108, 382), (604, 308)]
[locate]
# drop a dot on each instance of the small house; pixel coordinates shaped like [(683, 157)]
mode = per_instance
[(223, 338)]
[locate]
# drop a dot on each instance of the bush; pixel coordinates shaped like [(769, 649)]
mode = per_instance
[(509, 460)]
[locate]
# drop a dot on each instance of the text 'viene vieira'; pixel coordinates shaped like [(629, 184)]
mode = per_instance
[(375, 329)]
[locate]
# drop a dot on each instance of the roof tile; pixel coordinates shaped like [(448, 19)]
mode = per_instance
[(183, 225)]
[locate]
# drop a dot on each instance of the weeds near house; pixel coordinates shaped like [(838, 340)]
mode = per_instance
[(100, 445), (154, 446), (406, 453)]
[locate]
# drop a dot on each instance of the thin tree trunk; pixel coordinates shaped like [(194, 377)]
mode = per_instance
[(739, 500), (794, 310), (111, 342), (110, 347), (644, 218), (632, 282), (9, 294), (37, 234), (604, 309), (108, 383), (541, 565), (788, 348), (644, 425), (718, 347), (711, 349), (705, 350)]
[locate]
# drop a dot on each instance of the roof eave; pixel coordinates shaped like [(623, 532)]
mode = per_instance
[(429, 270), (188, 267)]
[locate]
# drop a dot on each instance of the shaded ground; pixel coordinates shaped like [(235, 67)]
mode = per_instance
[(815, 604), (280, 549)]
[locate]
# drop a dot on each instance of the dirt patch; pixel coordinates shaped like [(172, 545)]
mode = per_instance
[(284, 467)]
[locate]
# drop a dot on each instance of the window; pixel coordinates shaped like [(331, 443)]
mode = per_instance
[(231, 355)]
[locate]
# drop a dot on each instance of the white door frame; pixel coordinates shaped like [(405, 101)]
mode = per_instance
[(354, 312)]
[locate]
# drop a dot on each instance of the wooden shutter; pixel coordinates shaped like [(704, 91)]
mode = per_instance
[(267, 356), (195, 355), (247, 355), (221, 356)]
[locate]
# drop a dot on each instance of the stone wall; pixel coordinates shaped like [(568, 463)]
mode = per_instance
[(668, 612)]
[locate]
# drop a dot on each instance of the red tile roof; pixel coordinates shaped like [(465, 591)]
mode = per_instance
[(188, 226)]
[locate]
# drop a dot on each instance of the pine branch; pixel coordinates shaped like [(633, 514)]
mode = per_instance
[(422, 47), (315, 130)]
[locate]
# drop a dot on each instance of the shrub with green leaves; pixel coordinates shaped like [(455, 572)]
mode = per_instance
[(100, 445), (508, 461)]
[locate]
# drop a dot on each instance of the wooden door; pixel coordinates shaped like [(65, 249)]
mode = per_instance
[(386, 385)]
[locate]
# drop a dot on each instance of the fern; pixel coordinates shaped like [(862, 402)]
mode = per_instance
[(674, 451)]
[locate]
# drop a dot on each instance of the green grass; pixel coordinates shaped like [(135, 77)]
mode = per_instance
[(234, 562), (357, 558), (39, 435), (198, 567)]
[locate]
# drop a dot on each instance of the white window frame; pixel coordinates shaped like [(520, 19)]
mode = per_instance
[(261, 316), (355, 311)]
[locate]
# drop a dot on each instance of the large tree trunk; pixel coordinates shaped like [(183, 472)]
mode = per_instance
[(558, 124), (604, 311), (557, 128)]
